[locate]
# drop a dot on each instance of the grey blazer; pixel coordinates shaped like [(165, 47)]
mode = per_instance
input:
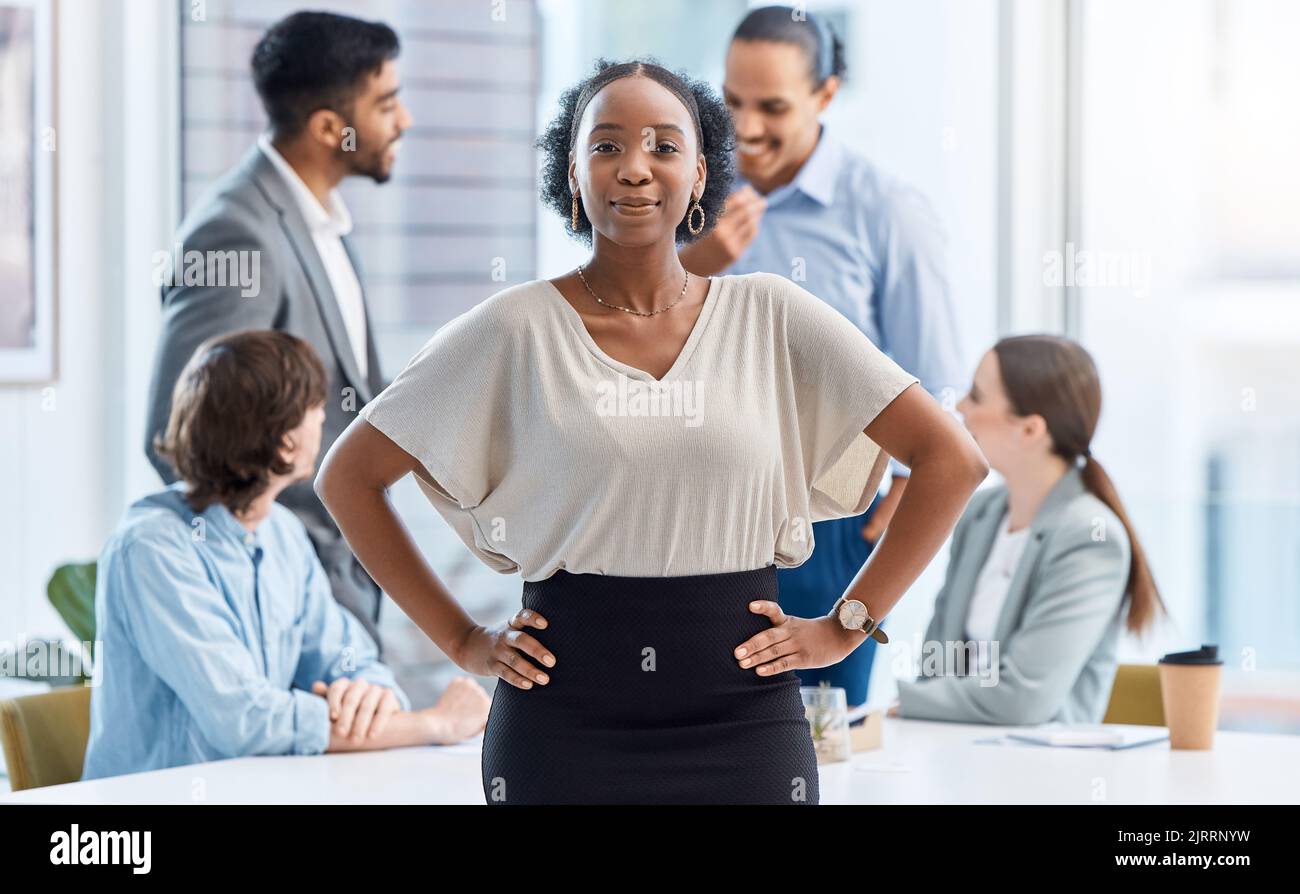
[(1059, 628), (251, 208)]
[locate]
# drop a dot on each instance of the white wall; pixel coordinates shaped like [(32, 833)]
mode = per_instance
[(74, 444), (53, 434)]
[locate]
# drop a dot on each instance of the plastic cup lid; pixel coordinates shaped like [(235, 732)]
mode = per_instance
[(1206, 654)]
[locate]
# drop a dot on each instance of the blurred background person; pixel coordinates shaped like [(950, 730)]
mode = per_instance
[(328, 84), (1045, 570), (220, 637)]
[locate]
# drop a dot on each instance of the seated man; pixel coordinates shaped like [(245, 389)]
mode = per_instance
[(219, 634)]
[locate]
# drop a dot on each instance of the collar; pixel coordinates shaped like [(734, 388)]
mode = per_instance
[(220, 519), (816, 178), (1069, 486), (336, 221)]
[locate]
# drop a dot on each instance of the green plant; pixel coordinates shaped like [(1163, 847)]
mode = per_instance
[(72, 593)]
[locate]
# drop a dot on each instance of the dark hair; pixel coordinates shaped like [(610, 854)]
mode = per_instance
[(1056, 378), (234, 402), (811, 33), (313, 60), (714, 132)]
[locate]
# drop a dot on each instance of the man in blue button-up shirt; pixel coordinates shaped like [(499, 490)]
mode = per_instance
[(220, 636)]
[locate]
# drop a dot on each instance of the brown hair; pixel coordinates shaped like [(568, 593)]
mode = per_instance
[(1056, 378), (234, 402)]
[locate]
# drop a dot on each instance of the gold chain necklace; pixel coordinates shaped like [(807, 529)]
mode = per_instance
[(640, 313)]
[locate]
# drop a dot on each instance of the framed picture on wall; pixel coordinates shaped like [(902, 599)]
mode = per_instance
[(28, 143)]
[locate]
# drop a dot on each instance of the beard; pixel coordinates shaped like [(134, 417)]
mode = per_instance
[(367, 160)]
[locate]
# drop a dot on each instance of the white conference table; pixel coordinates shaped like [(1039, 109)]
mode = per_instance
[(920, 763)]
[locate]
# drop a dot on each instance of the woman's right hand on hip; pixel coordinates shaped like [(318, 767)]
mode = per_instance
[(500, 650)]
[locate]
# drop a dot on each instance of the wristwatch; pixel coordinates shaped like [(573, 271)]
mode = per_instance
[(852, 615)]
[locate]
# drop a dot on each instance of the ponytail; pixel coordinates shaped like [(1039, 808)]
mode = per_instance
[(1143, 598)]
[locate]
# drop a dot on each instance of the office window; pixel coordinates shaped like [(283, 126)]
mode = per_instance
[(1191, 307)]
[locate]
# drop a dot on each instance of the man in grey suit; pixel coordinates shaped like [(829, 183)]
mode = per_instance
[(329, 86)]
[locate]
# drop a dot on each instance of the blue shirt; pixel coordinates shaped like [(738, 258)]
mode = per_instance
[(871, 247), (211, 637)]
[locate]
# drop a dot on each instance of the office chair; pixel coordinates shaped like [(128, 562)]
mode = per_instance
[(1135, 696), (44, 736)]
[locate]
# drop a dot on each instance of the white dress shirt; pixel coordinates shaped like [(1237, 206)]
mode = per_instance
[(993, 582), (328, 227)]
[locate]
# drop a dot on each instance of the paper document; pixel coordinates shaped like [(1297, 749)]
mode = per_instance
[(1111, 735)]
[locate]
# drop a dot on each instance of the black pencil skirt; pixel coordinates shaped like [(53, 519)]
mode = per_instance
[(647, 703)]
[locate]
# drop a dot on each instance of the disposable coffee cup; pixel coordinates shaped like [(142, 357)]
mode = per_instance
[(1189, 686)]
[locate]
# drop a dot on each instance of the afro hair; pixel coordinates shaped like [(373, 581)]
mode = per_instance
[(718, 146)]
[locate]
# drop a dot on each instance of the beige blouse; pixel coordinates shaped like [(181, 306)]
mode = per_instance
[(543, 452)]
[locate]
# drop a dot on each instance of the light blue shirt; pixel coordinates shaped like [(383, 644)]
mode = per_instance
[(211, 637), (871, 247)]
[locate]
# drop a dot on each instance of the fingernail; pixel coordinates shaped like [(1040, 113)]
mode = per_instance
[(742, 652), (745, 663), (542, 678), (550, 662)]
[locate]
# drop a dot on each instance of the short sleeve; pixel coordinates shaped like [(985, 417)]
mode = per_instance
[(840, 383), (450, 409)]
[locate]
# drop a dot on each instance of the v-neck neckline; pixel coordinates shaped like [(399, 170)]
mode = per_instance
[(683, 357)]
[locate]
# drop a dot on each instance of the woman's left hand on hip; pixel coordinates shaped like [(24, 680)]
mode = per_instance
[(791, 643)]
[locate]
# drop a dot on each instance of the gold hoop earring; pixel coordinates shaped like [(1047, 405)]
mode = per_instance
[(575, 212), (690, 219)]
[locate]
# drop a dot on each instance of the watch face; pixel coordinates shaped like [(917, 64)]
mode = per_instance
[(853, 614)]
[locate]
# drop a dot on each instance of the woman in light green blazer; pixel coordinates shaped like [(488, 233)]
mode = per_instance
[(1044, 570)]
